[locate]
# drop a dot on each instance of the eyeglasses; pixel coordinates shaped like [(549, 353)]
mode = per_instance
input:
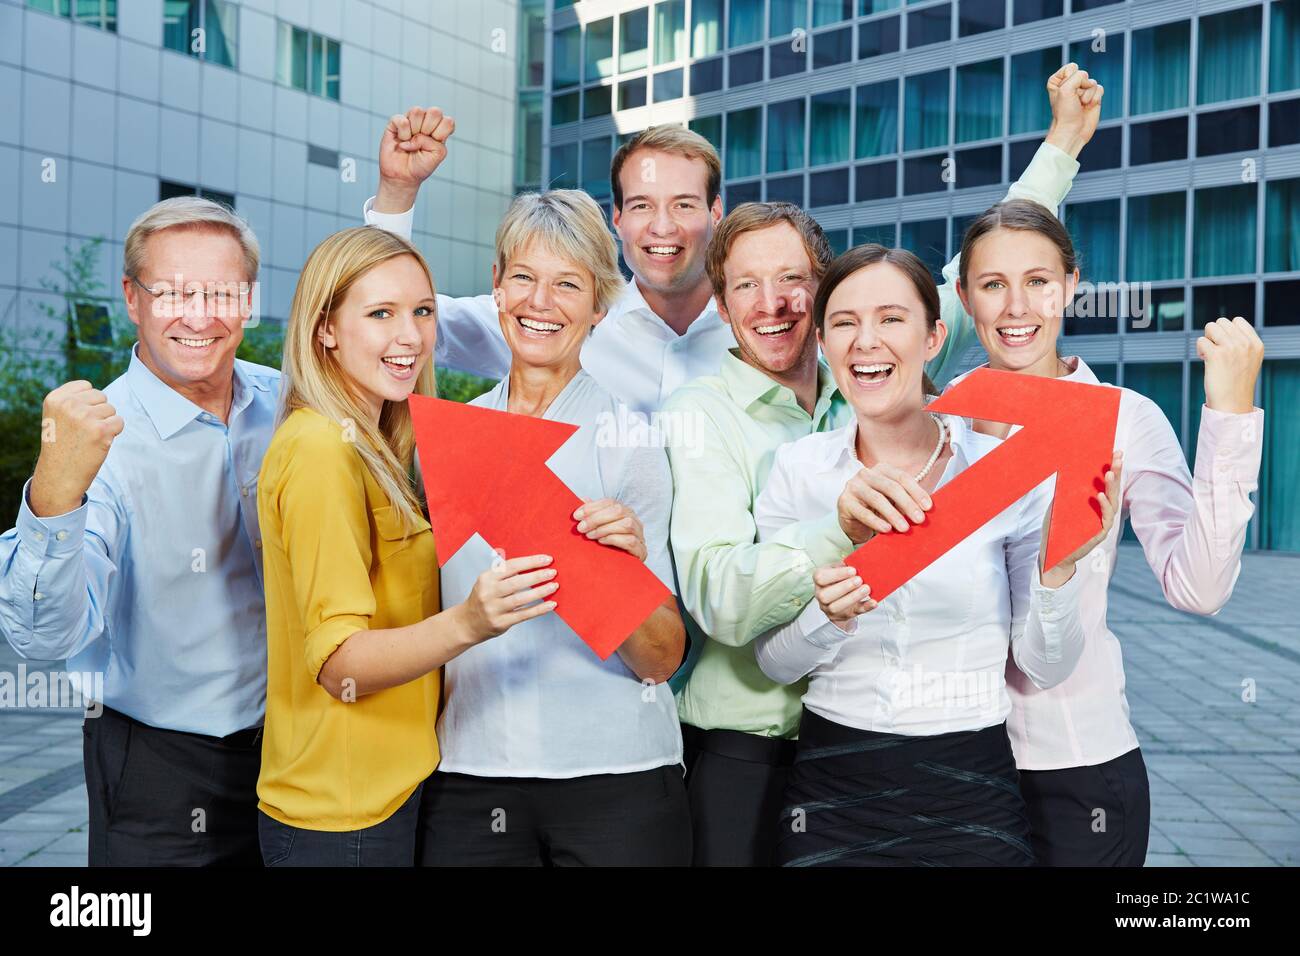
[(217, 298)]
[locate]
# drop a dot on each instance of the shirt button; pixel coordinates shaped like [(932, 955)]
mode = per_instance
[(61, 535), (39, 535), (37, 596), (244, 491), (258, 544)]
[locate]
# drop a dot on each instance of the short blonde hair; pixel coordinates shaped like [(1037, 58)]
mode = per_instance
[(568, 223), (670, 139), (314, 379), (188, 212)]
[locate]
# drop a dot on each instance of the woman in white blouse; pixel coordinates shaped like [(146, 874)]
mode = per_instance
[(1081, 770), (550, 755), (903, 754)]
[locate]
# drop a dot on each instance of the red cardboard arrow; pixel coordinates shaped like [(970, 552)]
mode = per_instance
[(1068, 429), (485, 471)]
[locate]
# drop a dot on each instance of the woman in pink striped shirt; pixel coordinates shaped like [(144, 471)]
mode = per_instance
[(1081, 770)]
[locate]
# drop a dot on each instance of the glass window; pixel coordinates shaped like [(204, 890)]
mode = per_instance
[(787, 16), (208, 30), (786, 189), (785, 136), (631, 93), (1279, 505), (1027, 11), (979, 91), (1161, 310), (1210, 302), (532, 58), (706, 76), (706, 27), (291, 56), (566, 67), (787, 57), (1103, 58), (875, 181), (980, 16), (878, 37), (600, 49), (744, 22), (1030, 108), (324, 78), (710, 127), (1284, 122), (1227, 66), (528, 157), (670, 31), (829, 132), (1156, 230), (596, 154), (1162, 382), (958, 231), (885, 234), (633, 40), (564, 166), (929, 241), (832, 48), (738, 193), (1160, 141), (1283, 41), (564, 108), (668, 85), (307, 61), (978, 167), (1227, 131), (929, 25), (597, 101), (1078, 6), (1160, 65), (1223, 231), (1094, 227), (1282, 227), (745, 67), (831, 11), (925, 110), (877, 116), (744, 142), (829, 188), (1282, 302), (838, 240), (1105, 151), (926, 174), (868, 7), (1023, 151), (101, 14)]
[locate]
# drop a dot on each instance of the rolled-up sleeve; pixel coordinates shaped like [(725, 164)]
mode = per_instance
[(324, 520)]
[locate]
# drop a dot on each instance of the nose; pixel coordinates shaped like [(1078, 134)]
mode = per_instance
[(1017, 302), (195, 312), (662, 224), (770, 301), (868, 337), (540, 299)]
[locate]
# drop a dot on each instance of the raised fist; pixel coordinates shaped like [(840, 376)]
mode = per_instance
[(78, 426)]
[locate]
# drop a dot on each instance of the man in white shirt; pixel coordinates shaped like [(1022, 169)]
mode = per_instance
[(664, 330)]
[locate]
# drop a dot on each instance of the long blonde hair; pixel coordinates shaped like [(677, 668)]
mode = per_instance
[(312, 375)]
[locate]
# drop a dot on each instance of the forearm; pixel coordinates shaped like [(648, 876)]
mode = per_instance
[(375, 660), (654, 650), (394, 197), (790, 652), (1047, 646)]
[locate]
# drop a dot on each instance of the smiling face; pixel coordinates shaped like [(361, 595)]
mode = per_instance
[(383, 331), (547, 307), (1016, 294), (768, 294), (665, 222), (877, 341), (190, 347)]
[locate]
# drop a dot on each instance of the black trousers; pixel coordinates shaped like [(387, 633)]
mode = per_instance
[(170, 798), (610, 819), (391, 842), (735, 782), (1090, 816)]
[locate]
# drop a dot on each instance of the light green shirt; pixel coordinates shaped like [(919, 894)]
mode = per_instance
[(734, 589)]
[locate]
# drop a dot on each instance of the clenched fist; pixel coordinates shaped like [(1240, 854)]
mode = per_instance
[(1233, 354), (77, 428), (1076, 108), (414, 145)]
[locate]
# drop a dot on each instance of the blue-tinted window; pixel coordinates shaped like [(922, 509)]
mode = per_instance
[(925, 110), (828, 132), (1284, 40), (1227, 131), (838, 239), (1023, 151), (743, 192), (1227, 66), (1223, 230), (1284, 122), (980, 16), (633, 40), (788, 57), (868, 7), (829, 188), (884, 234), (1094, 227), (744, 22), (877, 114), (1160, 64), (832, 11), (566, 66), (1030, 108), (926, 174), (878, 37), (875, 181), (745, 68), (928, 240), (743, 154), (1282, 227), (1157, 142), (979, 93), (218, 20), (929, 25), (1078, 6), (631, 93), (1156, 233), (1280, 302), (596, 101), (706, 27), (1104, 152), (1210, 302), (599, 56), (670, 31), (596, 154), (832, 48), (564, 166), (978, 167), (710, 127), (1103, 58), (1027, 11), (785, 136), (706, 76), (667, 85), (786, 189), (786, 16), (564, 109)]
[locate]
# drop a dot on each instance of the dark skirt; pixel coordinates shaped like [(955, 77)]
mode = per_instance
[(858, 798)]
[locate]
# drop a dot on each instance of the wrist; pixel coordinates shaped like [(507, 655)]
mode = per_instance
[(50, 499), (394, 197), (1069, 141), (1058, 576), (1236, 405)]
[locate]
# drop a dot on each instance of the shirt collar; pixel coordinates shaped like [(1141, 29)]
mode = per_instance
[(168, 409), (632, 302), (747, 386)]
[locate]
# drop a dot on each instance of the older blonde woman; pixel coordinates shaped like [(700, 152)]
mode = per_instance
[(355, 636), (550, 755)]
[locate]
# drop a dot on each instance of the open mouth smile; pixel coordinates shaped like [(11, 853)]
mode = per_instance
[(1016, 335), (872, 374), (538, 328), (401, 367)]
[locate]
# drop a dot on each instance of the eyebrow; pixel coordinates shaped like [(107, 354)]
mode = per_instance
[(636, 196), (393, 305), (525, 266), (992, 273), (892, 308)]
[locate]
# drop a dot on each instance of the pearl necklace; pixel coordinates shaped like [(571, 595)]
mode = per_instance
[(938, 448)]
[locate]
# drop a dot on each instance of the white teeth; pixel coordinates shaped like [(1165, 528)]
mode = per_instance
[(406, 361), (1019, 330), (196, 343), (664, 250), (871, 369), (773, 329), (538, 326)]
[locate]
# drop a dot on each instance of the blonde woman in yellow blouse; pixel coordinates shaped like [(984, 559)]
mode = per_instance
[(355, 637)]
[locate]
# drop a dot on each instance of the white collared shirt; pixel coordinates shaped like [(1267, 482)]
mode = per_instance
[(633, 353), (1192, 532), (536, 701), (931, 658)]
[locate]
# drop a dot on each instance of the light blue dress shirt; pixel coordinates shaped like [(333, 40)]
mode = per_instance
[(155, 582)]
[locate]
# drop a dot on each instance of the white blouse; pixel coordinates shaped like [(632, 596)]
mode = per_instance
[(931, 658), (536, 701)]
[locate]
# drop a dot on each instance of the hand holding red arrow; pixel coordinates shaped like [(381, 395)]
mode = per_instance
[(485, 471), (1068, 429)]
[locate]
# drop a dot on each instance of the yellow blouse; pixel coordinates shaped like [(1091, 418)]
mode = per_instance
[(336, 562)]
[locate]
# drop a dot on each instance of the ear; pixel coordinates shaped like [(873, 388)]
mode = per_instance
[(131, 296), (1071, 283), (715, 211), (722, 309), (598, 316), (934, 340), (325, 332), (963, 294), (616, 215)]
